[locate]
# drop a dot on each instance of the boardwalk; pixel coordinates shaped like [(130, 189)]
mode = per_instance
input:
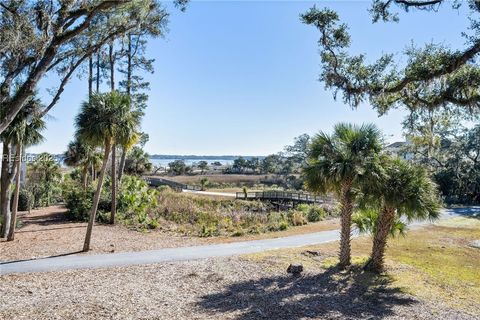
[(272, 196), (283, 196)]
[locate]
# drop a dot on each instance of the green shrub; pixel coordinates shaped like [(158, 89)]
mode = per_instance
[(304, 208), (25, 200), (315, 214), (135, 201), (79, 203), (366, 222)]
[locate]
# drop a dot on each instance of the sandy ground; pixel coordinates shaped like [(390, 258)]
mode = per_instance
[(46, 233), (230, 288)]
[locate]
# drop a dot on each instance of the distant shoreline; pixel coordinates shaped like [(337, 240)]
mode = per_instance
[(197, 157)]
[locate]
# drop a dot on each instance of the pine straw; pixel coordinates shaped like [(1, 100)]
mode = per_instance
[(227, 288)]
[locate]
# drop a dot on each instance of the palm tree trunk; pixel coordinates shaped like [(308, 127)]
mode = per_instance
[(114, 185), (383, 227), (84, 176), (96, 198), (346, 224), (123, 158), (13, 221)]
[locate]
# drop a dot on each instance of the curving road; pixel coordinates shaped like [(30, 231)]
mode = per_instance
[(188, 253)]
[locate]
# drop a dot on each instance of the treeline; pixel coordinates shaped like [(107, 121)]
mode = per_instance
[(447, 142)]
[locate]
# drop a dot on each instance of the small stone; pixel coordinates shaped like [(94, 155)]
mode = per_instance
[(475, 244), (295, 269)]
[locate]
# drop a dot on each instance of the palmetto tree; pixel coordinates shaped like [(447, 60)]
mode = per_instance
[(99, 123), (342, 163), (407, 191), (79, 154), (127, 132), (25, 131)]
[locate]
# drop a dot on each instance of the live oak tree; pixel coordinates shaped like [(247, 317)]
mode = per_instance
[(56, 37), (433, 75)]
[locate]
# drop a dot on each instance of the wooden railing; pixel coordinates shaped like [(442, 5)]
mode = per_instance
[(156, 182), (283, 196)]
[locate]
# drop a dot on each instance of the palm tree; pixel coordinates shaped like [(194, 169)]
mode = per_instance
[(45, 171), (341, 163), (99, 122), (407, 191), (27, 132), (79, 154), (24, 130), (127, 130)]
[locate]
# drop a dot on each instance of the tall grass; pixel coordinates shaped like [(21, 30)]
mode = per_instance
[(205, 217)]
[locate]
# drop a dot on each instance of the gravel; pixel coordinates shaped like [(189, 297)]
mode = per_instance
[(223, 288)]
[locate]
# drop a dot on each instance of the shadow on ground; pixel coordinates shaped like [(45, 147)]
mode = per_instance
[(472, 212), (331, 294)]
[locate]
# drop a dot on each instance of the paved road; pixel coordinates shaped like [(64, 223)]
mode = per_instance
[(186, 253), (209, 193)]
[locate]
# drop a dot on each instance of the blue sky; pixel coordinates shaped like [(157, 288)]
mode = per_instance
[(240, 77)]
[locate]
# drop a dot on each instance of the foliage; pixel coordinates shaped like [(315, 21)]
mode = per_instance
[(178, 167), (79, 203), (203, 166), (137, 162), (25, 200), (432, 77), (136, 199), (366, 222), (43, 180), (106, 117), (204, 183), (450, 150), (348, 155), (43, 37), (204, 217)]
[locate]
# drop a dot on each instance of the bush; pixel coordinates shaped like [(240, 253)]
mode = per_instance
[(135, 201), (315, 214), (25, 200), (79, 203), (297, 218)]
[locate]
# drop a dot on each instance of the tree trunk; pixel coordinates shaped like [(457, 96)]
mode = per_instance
[(13, 221), (84, 176), (90, 77), (121, 169), (5, 194), (114, 185), (346, 223), (96, 198), (129, 67), (97, 79), (383, 227), (112, 66), (129, 94)]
